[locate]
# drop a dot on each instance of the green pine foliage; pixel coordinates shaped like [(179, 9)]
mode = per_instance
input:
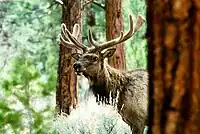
[(29, 34), (29, 57), (136, 48), (17, 104)]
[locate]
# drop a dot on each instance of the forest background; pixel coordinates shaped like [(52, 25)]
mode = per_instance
[(29, 36)]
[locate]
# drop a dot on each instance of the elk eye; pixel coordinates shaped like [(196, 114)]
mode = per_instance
[(94, 58), (76, 56)]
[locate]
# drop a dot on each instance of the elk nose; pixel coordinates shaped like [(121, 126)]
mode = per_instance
[(77, 65)]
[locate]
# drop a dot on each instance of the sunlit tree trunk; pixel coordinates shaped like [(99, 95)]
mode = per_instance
[(114, 25), (66, 94), (173, 35)]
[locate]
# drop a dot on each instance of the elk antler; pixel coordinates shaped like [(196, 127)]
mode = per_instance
[(70, 40), (123, 37)]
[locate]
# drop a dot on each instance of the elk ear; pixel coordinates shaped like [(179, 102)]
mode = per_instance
[(109, 52), (76, 56)]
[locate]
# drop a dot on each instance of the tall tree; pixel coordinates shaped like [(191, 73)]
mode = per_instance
[(66, 93), (114, 25), (173, 35)]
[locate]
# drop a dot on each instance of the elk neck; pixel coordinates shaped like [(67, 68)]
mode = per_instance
[(107, 82)]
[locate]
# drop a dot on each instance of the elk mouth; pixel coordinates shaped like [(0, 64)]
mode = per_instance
[(79, 71)]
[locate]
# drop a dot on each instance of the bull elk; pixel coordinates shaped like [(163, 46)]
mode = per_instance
[(127, 89)]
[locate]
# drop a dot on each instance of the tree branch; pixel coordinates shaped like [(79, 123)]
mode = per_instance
[(85, 4), (92, 2), (61, 3), (99, 5)]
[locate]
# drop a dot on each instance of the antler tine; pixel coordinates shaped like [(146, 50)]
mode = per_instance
[(63, 38), (123, 37), (67, 44), (140, 21), (73, 42), (91, 40), (76, 30)]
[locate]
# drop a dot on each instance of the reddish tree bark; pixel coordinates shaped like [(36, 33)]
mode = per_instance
[(114, 25), (173, 35), (66, 93)]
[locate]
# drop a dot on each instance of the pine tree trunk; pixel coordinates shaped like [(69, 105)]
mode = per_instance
[(173, 35), (114, 25), (66, 93)]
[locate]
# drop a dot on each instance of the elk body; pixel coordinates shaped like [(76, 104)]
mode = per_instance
[(128, 90)]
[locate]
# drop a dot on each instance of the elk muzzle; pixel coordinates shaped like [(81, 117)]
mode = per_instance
[(78, 67)]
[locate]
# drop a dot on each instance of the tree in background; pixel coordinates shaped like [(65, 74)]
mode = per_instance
[(29, 32), (114, 25), (173, 63), (136, 46), (28, 64), (66, 92)]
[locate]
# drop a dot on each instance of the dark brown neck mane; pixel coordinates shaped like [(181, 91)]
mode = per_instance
[(107, 83)]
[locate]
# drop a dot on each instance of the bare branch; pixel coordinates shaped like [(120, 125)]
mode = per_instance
[(87, 3), (61, 3), (99, 5), (92, 2)]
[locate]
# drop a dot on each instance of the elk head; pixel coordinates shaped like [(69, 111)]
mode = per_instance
[(90, 60)]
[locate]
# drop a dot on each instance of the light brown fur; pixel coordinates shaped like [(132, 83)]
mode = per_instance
[(128, 89), (109, 85)]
